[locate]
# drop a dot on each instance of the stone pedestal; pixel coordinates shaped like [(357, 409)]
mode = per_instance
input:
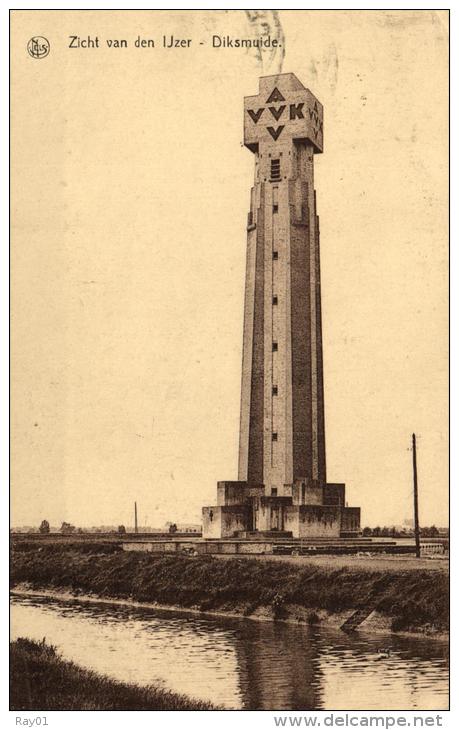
[(311, 511)]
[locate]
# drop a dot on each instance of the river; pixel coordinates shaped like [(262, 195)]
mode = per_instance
[(240, 663)]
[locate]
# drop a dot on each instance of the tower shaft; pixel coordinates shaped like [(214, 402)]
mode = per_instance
[(282, 432)]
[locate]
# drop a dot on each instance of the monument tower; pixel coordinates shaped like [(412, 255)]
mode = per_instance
[(282, 483)]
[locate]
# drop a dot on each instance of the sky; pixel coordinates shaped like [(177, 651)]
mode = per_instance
[(130, 192)]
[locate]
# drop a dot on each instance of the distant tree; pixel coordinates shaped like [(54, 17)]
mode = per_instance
[(44, 527), (376, 531), (393, 532), (121, 530), (367, 532), (67, 528), (385, 532), (429, 531), (173, 527)]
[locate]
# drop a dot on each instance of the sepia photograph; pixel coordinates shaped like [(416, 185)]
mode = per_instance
[(229, 316)]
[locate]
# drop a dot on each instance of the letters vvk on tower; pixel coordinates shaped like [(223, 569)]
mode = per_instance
[(282, 487)]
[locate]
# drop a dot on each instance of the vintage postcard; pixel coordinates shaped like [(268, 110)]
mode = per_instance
[(229, 361)]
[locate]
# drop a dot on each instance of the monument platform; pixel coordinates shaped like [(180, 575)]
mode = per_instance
[(305, 510), (279, 546)]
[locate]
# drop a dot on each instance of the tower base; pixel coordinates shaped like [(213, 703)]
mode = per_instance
[(305, 509)]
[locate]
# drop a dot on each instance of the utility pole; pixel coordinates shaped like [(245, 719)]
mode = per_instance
[(136, 526), (415, 493)]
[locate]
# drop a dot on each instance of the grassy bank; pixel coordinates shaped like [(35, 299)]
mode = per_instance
[(412, 600), (41, 680)]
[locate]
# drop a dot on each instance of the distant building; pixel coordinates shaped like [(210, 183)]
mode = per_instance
[(184, 527)]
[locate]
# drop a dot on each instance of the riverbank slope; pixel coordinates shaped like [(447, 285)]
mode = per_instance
[(41, 680), (406, 600)]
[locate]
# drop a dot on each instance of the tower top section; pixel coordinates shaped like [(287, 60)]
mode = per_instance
[(283, 110)]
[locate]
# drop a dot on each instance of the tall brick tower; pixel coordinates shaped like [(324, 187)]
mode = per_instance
[(282, 484), (282, 433)]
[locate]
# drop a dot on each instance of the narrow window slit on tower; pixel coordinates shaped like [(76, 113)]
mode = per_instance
[(275, 301), (274, 436), (275, 390), (275, 170), (275, 208), (275, 255), (274, 346)]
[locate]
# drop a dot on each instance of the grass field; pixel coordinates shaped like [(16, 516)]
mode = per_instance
[(41, 680), (390, 563), (413, 600)]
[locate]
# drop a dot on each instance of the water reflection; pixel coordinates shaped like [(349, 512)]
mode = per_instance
[(242, 664)]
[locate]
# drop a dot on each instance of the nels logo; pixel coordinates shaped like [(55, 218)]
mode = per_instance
[(296, 111), (38, 46)]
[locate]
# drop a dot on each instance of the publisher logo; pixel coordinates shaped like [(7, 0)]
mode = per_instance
[(38, 47)]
